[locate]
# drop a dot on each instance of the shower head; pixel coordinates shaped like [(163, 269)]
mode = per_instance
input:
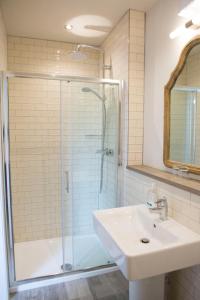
[(89, 90), (77, 55), (86, 89)]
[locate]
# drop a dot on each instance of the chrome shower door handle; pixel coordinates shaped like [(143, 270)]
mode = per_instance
[(67, 181)]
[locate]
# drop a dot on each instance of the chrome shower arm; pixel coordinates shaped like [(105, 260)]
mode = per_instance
[(79, 46)]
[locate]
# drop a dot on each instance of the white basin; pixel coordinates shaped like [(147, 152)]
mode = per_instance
[(172, 246)]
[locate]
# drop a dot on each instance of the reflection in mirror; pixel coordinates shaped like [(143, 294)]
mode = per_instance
[(184, 110), (184, 125)]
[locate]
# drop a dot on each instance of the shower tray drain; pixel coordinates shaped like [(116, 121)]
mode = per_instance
[(66, 267)]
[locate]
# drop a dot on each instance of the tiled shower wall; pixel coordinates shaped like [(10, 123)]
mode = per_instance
[(35, 127), (136, 87), (42, 56), (124, 48)]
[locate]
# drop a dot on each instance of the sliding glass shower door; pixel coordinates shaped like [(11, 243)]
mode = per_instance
[(61, 164), (89, 147)]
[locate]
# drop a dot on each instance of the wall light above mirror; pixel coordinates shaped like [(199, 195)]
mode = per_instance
[(191, 13), (182, 111)]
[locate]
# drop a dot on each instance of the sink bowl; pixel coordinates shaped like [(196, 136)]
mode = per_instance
[(142, 245)]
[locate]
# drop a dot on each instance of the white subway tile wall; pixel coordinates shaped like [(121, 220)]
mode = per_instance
[(136, 87), (42, 56)]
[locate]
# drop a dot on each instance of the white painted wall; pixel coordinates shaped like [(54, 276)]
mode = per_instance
[(3, 263), (162, 55)]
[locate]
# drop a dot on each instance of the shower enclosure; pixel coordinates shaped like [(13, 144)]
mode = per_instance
[(61, 154)]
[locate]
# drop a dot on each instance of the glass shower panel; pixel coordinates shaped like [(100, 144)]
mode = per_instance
[(34, 129), (89, 126), (109, 191)]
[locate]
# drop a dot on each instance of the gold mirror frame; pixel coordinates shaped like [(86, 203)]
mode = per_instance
[(167, 97)]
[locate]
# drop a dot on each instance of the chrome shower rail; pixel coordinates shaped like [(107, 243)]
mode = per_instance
[(54, 76)]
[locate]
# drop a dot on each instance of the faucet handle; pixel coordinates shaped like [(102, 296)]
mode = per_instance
[(158, 203), (151, 204), (162, 202)]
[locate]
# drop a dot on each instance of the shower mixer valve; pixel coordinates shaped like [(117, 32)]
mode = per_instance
[(106, 151)]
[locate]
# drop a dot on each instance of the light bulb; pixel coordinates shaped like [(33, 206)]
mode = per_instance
[(177, 32), (196, 20), (68, 27)]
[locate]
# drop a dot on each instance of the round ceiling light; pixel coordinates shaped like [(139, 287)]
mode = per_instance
[(89, 25), (68, 27)]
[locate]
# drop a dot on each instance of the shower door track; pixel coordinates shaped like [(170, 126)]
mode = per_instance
[(7, 195), (26, 284), (52, 76)]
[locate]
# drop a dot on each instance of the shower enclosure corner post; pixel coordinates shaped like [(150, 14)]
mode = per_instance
[(121, 125), (62, 187), (65, 188), (6, 180)]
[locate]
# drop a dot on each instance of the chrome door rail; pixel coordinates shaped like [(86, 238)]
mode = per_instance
[(52, 76)]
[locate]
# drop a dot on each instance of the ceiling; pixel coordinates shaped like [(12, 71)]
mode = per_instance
[(45, 19)]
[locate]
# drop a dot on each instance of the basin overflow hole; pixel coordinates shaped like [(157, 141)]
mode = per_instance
[(145, 241)]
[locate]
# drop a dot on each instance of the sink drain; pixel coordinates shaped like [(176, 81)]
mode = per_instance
[(145, 241)]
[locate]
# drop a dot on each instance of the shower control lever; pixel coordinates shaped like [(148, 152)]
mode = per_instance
[(106, 151), (67, 181)]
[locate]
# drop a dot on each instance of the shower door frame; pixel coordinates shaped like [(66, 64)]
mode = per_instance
[(5, 142)]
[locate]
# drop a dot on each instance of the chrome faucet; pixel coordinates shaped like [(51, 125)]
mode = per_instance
[(160, 206)]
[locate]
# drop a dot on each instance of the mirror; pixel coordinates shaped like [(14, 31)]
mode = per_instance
[(182, 112)]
